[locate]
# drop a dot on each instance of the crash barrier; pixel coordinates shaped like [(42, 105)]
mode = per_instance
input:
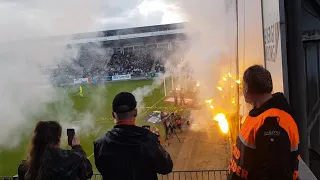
[(187, 175), (9, 178), (174, 175), (196, 175), (304, 174)]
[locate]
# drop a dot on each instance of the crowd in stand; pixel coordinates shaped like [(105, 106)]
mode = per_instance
[(131, 63), (142, 61), (135, 63)]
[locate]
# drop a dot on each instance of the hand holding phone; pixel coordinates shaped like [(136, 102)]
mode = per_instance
[(75, 141)]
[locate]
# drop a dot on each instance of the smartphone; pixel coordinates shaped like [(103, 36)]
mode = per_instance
[(146, 126), (70, 133)]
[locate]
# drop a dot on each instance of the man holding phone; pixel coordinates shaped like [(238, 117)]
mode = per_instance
[(129, 151)]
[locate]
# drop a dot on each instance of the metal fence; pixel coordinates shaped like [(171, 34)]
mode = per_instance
[(196, 175), (175, 175), (9, 178)]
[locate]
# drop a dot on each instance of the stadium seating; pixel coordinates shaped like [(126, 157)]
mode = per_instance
[(136, 62)]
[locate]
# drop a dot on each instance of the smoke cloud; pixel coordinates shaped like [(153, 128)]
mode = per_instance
[(209, 40), (28, 49), (210, 48), (142, 92), (33, 40)]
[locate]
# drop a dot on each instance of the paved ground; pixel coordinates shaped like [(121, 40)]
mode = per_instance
[(202, 147)]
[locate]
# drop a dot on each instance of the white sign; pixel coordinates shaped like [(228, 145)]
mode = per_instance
[(80, 80), (186, 100), (274, 41), (121, 77)]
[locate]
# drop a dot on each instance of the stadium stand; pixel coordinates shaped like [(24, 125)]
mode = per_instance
[(136, 51), (135, 63)]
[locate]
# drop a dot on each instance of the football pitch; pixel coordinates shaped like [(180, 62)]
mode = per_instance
[(100, 116)]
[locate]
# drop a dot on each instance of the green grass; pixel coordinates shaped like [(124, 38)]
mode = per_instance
[(97, 101)]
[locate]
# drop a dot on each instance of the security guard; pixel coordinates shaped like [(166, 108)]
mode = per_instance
[(267, 145)]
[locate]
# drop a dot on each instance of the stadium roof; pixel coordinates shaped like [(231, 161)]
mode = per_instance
[(134, 30), (129, 33), (114, 35)]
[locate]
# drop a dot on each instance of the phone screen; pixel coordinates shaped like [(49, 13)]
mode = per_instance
[(70, 133)]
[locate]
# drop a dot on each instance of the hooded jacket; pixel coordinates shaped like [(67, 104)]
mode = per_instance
[(131, 153), (267, 145), (63, 165)]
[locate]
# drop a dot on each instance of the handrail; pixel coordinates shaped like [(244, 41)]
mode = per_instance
[(174, 175), (304, 174)]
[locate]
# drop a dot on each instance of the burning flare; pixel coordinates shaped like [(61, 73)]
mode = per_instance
[(219, 88), (209, 101), (222, 122)]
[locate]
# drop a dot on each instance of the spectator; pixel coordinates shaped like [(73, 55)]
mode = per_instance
[(179, 123), (182, 102), (172, 122), (129, 151), (175, 96), (267, 145), (47, 161), (165, 123)]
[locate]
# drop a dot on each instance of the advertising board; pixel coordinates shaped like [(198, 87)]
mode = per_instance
[(85, 80), (81, 80), (107, 78), (121, 77)]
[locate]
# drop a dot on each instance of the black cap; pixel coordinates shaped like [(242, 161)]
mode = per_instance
[(124, 102)]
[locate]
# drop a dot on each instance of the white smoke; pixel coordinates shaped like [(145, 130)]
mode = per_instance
[(27, 43), (142, 92), (207, 33), (210, 44)]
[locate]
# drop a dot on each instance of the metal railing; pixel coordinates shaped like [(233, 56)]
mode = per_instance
[(196, 175), (9, 178), (174, 175), (187, 175), (304, 174)]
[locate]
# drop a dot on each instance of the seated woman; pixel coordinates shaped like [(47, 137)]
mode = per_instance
[(47, 161)]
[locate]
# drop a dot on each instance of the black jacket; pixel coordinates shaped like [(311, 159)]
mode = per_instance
[(65, 165), (267, 144), (131, 153)]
